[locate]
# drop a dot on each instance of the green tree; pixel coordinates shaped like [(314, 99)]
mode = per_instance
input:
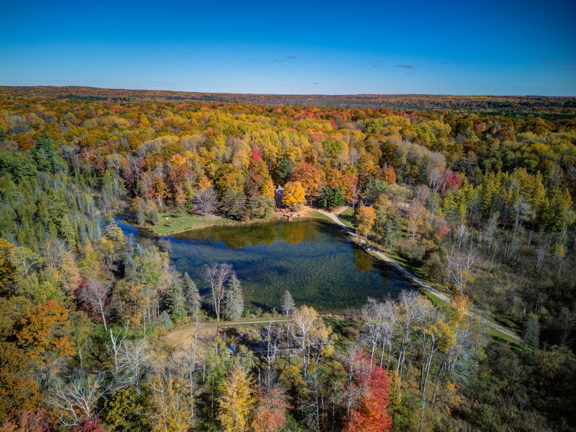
[(283, 171), (331, 198), (234, 299), (532, 332), (176, 302), (192, 297)]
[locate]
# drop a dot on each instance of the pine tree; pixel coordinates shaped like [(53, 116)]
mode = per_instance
[(176, 303), (192, 297), (234, 300), (532, 332)]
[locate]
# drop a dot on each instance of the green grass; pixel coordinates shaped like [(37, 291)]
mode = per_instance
[(347, 217), (435, 299), (317, 215), (495, 333), (185, 222), (416, 270)]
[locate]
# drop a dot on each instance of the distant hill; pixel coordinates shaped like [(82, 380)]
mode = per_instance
[(511, 104)]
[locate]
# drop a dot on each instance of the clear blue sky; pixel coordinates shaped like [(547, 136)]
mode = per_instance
[(505, 47)]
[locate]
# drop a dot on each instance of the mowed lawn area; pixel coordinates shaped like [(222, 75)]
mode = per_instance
[(347, 217), (184, 222)]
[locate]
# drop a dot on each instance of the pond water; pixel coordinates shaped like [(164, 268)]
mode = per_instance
[(312, 259)]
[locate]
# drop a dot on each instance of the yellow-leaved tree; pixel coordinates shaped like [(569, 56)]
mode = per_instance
[(237, 401), (293, 194), (366, 217)]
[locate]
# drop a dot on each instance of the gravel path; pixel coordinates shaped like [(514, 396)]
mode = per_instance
[(412, 277)]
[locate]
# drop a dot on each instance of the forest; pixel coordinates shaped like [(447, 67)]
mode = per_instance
[(474, 195)]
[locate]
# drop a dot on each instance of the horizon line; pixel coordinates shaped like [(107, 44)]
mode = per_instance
[(283, 94)]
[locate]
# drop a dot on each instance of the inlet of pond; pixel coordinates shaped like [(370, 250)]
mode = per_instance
[(314, 260)]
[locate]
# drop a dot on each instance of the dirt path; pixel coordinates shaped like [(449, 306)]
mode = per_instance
[(415, 279), (340, 210), (181, 339)]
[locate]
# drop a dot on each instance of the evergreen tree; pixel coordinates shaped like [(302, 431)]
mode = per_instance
[(331, 198), (192, 297), (283, 171), (234, 300), (46, 156), (176, 303), (532, 332)]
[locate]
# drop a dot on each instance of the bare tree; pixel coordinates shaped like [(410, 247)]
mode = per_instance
[(372, 324), (190, 365), (388, 318), (429, 337), (205, 201), (460, 263), (132, 359), (271, 335), (567, 323), (303, 319), (288, 304), (541, 255), (412, 308), (422, 193), (95, 295), (217, 275), (76, 400), (116, 341)]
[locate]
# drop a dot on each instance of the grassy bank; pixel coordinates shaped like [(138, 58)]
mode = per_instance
[(347, 217), (178, 223)]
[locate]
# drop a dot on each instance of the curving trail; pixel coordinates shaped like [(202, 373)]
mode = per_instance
[(412, 277)]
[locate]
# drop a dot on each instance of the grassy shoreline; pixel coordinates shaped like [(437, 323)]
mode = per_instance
[(187, 222)]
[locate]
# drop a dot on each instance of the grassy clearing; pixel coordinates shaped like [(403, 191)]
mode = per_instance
[(252, 321), (416, 270), (435, 299), (317, 215), (495, 333), (347, 217), (186, 222)]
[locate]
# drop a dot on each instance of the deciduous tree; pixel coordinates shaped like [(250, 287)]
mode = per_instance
[(236, 401), (293, 194)]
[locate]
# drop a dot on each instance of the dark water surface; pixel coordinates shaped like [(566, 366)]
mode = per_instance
[(314, 260)]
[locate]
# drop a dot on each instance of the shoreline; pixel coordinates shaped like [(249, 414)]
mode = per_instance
[(277, 217)]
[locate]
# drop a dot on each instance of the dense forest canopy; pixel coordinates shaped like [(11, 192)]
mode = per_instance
[(473, 194), (529, 105)]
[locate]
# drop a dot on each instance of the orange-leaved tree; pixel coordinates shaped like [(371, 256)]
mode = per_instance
[(44, 331), (371, 413), (270, 412), (366, 217)]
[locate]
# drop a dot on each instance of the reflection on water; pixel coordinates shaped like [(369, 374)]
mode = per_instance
[(238, 237), (362, 260), (312, 259)]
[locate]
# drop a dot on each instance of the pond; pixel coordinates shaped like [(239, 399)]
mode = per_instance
[(312, 259)]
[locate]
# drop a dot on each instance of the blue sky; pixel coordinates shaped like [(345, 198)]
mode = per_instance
[(325, 47)]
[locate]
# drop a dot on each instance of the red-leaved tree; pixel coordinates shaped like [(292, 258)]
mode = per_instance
[(371, 412), (270, 412), (92, 297), (28, 421), (90, 425)]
